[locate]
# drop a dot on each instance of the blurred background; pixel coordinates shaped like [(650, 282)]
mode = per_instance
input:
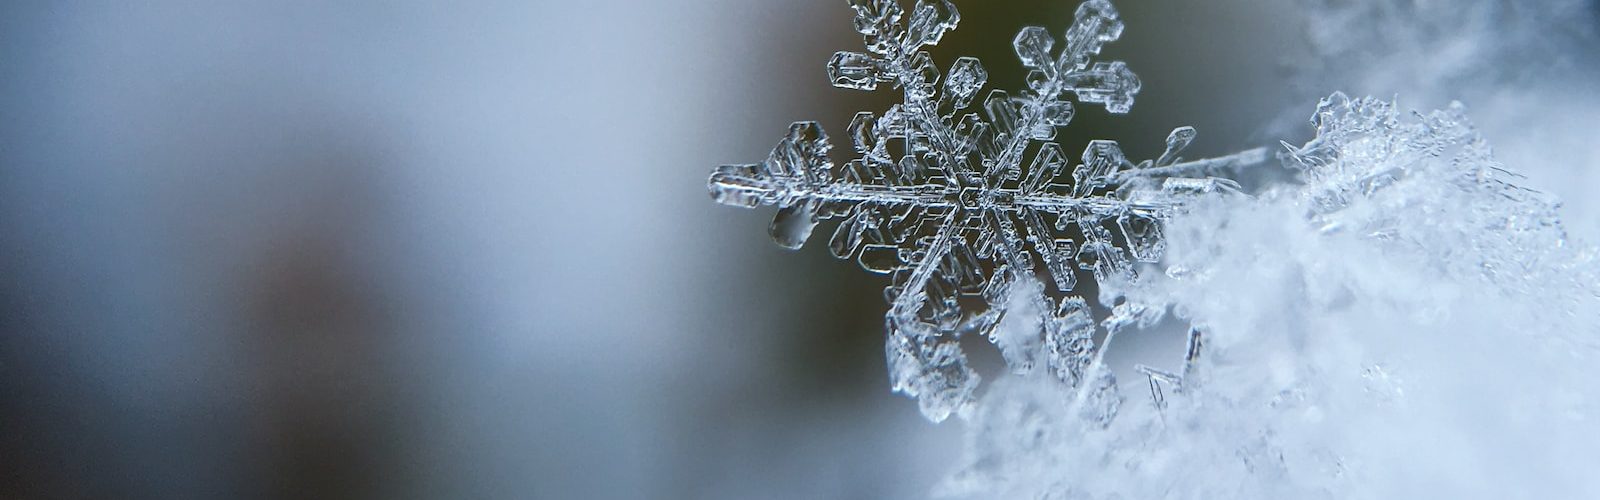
[(464, 250)]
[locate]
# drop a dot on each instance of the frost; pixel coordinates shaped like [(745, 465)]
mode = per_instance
[(964, 207)]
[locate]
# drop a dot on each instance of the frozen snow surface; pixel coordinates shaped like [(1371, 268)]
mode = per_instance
[(1406, 319)]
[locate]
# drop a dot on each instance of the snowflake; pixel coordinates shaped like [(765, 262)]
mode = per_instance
[(959, 207)]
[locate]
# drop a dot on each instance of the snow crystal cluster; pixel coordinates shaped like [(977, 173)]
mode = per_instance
[(1406, 321), (1472, 219), (962, 207)]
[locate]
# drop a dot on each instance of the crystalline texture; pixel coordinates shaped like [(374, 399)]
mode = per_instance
[(930, 20), (967, 77), (854, 70), (953, 202)]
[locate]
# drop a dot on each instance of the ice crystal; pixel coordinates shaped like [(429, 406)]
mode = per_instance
[(964, 207)]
